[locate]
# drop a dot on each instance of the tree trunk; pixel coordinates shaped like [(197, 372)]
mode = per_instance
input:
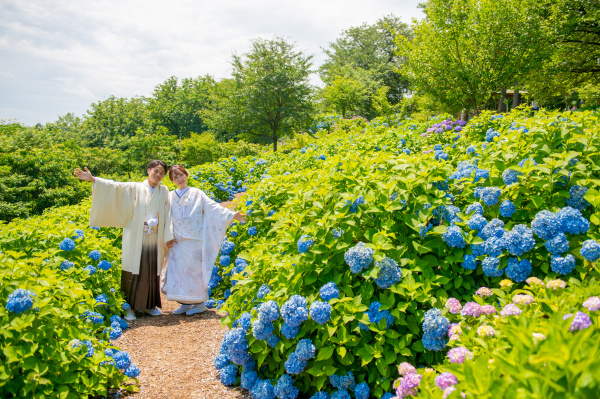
[(501, 105), (516, 99), (274, 142)]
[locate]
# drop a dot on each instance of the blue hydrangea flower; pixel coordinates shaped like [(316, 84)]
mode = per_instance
[(522, 162), (571, 221), (518, 271), (273, 340), (490, 267), (361, 391), (477, 222), (320, 312), (262, 329), (490, 134), (304, 243), (545, 225), (122, 359), (344, 382), (262, 389), (519, 240), (495, 228), (510, 176), (271, 212), (20, 301), (305, 350), (252, 231), (477, 192), (268, 311), (237, 346), (229, 375), (576, 199), (244, 321), (78, 234), (478, 249), (294, 311), (507, 208), (224, 260), (125, 306), (320, 395), (90, 269), (262, 291), (354, 205), (249, 378), (102, 298), (435, 330), (95, 255), (562, 265), (123, 325), (341, 394), (454, 237), (104, 265), (66, 265), (358, 257), (590, 250), (210, 303), (387, 395), (227, 247), (375, 315), (219, 304), (284, 389), (389, 273), (469, 262), (437, 147), (557, 245), (67, 244), (490, 195), (234, 233), (337, 233), (289, 331), (494, 246), (293, 364), (329, 291)]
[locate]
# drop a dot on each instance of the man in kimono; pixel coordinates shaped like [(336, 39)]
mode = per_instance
[(143, 211)]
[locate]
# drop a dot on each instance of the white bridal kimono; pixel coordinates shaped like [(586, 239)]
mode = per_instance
[(199, 227), (129, 206)]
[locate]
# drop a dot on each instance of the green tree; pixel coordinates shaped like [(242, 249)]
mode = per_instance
[(372, 49), (176, 106), (466, 51), (110, 121), (345, 94), (269, 95)]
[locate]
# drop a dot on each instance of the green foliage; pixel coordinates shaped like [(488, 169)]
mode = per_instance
[(269, 95), (403, 195), (345, 94), (37, 353)]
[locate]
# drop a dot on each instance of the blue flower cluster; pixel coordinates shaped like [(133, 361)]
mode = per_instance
[(227, 247), (590, 250), (88, 344), (215, 278), (95, 255), (101, 298), (329, 291), (104, 265), (224, 260), (490, 267), (304, 243), (507, 208), (490, 195), (294, 311), (20, 301), (361, 391), (545, 225), (375, 316), (490, 134), (284, 388), (244, 321), (557, 245), (320, 312), (465, 169), (262, 389), (66, 265), (477, 222), (454, 237), (562, 265), (475, 207), (358, 257), (571, 221), (248, 379), (93, 317), (67, 244), (229, 375), (235, 347), (469, 262), (354, 205), (122, 359), (519, 240), (435, 330), (90, 269), (344, 382), (518, 270), (576, 200), (523, 161), (337, 233), (252, 231), (510, 176), (262, 291), (495, 228), (389, 273)]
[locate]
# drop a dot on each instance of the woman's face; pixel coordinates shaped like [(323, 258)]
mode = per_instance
[(180, 179), (155, 175)]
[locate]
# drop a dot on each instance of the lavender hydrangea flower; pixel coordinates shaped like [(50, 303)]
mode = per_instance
[(405, 368), (592, 304), (445, 380), (510, 310), (472, 309), (581, 321), (453, 305), (408, 385), (459, 355)]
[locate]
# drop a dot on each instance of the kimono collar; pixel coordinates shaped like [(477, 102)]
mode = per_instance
[(152, 189)]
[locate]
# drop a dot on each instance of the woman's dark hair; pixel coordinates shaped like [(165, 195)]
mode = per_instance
[(156, 162), (176, 168)]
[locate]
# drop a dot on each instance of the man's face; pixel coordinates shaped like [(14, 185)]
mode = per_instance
[(156, 174)]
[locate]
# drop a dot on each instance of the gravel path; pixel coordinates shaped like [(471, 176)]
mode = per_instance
[(175, 353)]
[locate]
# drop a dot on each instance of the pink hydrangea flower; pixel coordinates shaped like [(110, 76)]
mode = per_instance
[(453, 305), (484, 292), (445, 380), (534, 281), (523, 299), (511, 310), (405, 368), (488, 309), (459, 355), (539, 336), (408, 385), (555, 284), (471, 309), (592, 304)]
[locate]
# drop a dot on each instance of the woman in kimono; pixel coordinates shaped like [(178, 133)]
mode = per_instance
[(199, 227), (143, 211)]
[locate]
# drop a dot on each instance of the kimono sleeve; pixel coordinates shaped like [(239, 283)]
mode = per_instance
[(112, 203)]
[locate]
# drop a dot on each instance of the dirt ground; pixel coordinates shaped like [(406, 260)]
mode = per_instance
[(175, 353)]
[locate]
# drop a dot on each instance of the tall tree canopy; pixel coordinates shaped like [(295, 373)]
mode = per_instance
[(465, 51), (372, 50), (268, 96)]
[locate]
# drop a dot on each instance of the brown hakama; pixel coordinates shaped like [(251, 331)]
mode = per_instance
[(142, 291)]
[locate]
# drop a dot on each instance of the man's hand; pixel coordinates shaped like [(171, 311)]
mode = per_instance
[(84, 175)]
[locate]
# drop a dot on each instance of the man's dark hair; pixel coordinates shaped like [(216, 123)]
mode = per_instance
[(156, 162)]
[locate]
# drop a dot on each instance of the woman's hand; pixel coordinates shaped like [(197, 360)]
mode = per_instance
[(169, 244), (84, 175), (240, 217)]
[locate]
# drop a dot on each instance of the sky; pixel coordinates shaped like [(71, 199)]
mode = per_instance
[(58, 57)]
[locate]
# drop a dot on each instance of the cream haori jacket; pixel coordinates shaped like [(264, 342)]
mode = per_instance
[(127, 205)]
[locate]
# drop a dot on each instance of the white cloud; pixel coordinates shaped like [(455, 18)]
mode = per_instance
[(59, 56)]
